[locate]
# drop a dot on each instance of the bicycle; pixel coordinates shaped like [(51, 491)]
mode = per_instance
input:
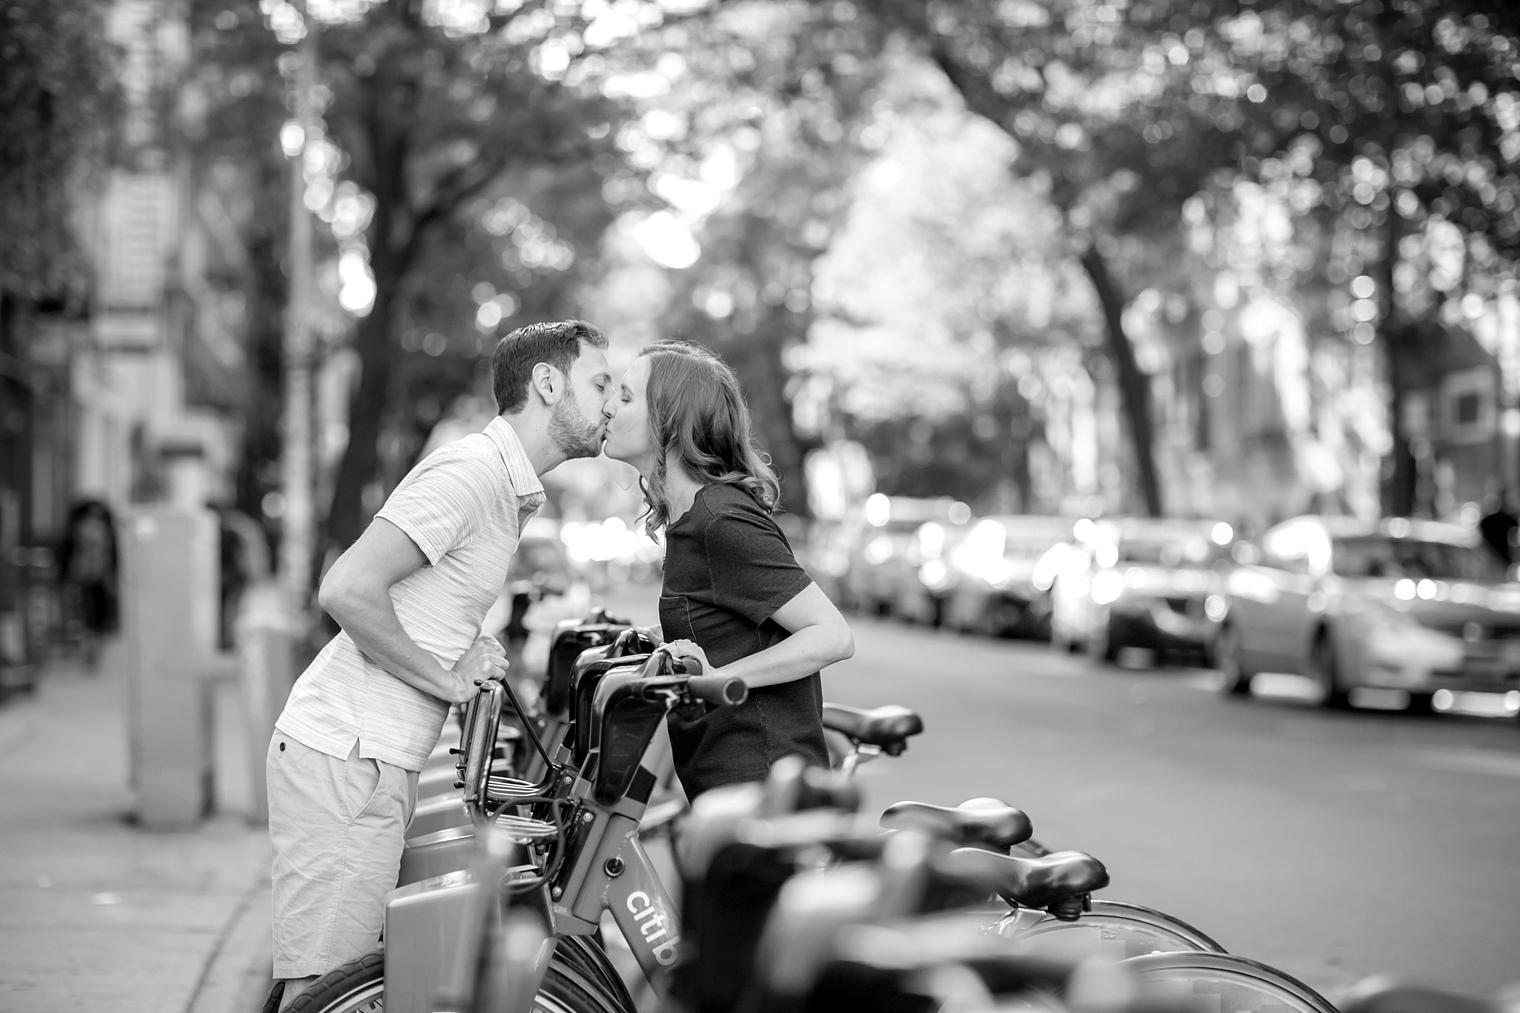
[(888, 911), (579, 828)]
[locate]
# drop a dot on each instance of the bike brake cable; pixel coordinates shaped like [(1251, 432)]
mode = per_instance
[(527, 723)]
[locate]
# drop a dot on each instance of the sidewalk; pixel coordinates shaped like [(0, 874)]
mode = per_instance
[(95, 913)]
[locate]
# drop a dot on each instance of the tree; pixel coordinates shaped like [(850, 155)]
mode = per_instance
[(463, 168), (58, 97), (780, 91), (431, 117), (1089, 92), (1404, 119)]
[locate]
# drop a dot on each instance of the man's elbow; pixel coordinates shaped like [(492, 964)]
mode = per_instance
[(335, 593)]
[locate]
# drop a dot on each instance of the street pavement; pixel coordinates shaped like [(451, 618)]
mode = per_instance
[(1331, 845), (96, 913)]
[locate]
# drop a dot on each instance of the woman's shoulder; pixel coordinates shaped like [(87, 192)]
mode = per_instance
[(722, 499)]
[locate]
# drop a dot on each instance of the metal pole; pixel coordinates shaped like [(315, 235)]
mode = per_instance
[(298, 527)]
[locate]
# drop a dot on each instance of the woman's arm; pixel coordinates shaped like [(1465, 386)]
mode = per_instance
[(819, 637)]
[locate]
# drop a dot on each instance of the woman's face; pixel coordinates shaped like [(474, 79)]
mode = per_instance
[(629, 437)]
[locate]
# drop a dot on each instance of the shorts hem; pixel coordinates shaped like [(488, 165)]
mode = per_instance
[(304, 969)]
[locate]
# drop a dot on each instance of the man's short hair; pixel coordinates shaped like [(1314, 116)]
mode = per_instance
[(558, 344)]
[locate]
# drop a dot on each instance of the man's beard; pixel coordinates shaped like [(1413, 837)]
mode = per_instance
[(571, 433)]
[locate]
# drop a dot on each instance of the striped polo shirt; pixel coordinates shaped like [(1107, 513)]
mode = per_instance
[(464, 505)]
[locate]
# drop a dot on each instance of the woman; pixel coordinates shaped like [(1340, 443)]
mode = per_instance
[(734, 596)]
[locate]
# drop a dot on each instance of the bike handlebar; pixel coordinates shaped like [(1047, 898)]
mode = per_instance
[(713, 689), (718, 689)]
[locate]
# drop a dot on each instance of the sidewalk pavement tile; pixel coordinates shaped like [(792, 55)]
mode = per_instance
[(94, 912)]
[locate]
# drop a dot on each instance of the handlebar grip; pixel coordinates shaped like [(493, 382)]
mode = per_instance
[(718, 689)]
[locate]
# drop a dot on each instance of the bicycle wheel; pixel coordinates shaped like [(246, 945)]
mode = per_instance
[(1124, 930), (1223, 981), (359, 987)]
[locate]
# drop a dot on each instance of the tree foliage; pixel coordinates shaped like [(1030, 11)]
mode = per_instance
[(471, 164), (1129, 110), (58, 102)]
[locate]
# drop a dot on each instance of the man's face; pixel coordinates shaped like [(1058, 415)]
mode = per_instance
[(576, 423)]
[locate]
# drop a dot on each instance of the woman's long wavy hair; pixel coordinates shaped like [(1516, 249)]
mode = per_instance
[(698, 417)]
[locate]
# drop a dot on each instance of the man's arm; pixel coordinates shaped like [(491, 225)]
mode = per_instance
[(357, 593)]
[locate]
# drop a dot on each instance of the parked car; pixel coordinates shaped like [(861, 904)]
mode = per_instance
[(1418, 606), (1140, 582), (924, 591), (879, 536), (995, 591)]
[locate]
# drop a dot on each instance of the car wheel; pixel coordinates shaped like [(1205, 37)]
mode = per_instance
[(1234, 676), (1101, 645), (1324, 669)]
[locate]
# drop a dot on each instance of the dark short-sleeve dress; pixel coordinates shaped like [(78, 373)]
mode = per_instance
[(728, 568)]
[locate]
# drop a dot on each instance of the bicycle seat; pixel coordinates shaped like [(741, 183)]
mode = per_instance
[(1000, 826), (889, 726), (1057, 882)]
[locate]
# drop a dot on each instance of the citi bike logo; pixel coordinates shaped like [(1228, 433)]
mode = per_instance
[(653, 926)]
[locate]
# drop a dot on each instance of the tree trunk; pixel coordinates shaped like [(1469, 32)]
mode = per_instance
[(390, 231), (361, 458), (1134, 386), (1400, 472)]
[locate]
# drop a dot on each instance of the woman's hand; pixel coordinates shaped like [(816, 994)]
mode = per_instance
[(689, 649)]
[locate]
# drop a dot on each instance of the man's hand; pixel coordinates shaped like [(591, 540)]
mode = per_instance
[(484, 660)]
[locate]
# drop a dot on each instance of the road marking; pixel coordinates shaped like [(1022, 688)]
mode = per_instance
[(1469, 762)]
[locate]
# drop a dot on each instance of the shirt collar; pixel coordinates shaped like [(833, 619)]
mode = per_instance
[(520, 474)]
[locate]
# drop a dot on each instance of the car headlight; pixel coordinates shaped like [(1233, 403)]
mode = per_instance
[(1396, 640), (934, 575), (1107, 587)]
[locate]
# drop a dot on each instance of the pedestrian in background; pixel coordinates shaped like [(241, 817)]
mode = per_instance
[(1499, 524), (410, 596), (734, 596), (87, 564)]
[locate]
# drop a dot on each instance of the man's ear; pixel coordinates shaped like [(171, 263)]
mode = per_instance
[(548, 382)]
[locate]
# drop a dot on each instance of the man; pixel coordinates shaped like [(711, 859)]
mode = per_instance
[(410, 595)]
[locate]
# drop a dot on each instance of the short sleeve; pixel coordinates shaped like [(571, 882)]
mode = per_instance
[(753, 570), (442, 502)]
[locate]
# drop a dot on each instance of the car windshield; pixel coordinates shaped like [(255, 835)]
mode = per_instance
[(1177, 550), (1379, 556), (1025, 544), (1033, 536)]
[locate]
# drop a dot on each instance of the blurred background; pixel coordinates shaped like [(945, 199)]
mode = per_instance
[(1183, 334)]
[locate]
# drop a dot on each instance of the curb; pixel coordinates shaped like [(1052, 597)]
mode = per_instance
[(239, 974)]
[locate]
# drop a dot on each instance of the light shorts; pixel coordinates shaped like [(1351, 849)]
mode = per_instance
[(337, 828)]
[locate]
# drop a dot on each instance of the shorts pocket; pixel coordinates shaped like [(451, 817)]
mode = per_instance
[(361, 777)]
